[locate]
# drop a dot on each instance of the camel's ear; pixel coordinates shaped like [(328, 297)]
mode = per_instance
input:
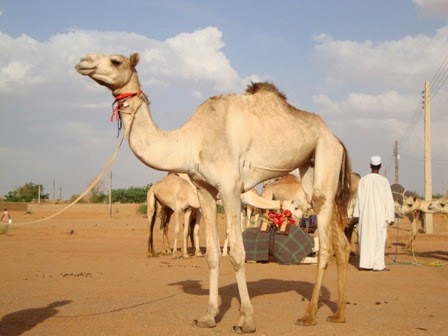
[(415, 198), (134, 59)]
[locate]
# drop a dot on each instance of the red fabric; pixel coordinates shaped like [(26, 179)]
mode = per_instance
[(118, 103), (279, 218)]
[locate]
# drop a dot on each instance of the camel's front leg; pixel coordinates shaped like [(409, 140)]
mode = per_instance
[(208, 206), (196, 228), (177, 221), (187, 219), (237, 256), (341, 248), (414, 233)]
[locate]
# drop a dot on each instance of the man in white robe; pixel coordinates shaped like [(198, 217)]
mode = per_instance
[(375, 209)]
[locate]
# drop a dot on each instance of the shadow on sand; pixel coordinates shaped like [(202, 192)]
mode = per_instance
[(257, 288), (18, 323)]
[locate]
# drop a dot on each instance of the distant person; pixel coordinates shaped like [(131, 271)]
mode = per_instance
[(375, 209), (6, 218)]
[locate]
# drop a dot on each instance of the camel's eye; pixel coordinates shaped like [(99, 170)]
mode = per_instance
[(115, 61)]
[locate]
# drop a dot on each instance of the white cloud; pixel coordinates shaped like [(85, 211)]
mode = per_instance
[(398, 63), (435, 8)]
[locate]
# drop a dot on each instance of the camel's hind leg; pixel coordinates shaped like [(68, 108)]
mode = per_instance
[(341, 248), (151, 214)]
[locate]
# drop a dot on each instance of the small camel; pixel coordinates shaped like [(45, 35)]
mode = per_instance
[(414, 207), (290, 187), (252, 199), (439, 205), (221, 157), (176, 192)]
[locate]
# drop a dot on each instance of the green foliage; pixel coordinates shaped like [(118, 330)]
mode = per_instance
[(142, 209), (220, 209), (130, 195), (436, 196), (4, 229), (26, 193)]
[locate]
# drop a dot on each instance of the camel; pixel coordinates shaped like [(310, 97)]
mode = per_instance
[(290, 187), (176, 192), (251, 199), (232, 143), (439, 205), (414, 207)]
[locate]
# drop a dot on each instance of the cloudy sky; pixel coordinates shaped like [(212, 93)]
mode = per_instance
[(361, 65)]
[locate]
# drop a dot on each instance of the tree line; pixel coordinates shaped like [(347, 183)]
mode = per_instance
[(29, 192)]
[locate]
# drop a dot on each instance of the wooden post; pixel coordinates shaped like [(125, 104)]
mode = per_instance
[(110, 194), (428, 157)]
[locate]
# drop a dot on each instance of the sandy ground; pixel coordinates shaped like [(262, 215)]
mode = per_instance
[(80, 274)]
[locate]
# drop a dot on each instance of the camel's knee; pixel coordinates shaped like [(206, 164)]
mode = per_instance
[(237, 258), (318, 200)]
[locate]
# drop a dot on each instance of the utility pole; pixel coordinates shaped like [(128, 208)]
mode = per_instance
[(60, 192), (397, 157), (54, 190), (110, 194), (428, 157)]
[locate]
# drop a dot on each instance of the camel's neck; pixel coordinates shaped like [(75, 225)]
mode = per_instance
[(156, 148)]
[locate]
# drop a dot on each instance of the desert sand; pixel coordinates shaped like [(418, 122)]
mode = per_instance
[(87, 274)]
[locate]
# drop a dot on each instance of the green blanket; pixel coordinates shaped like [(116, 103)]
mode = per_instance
[(285, 249)]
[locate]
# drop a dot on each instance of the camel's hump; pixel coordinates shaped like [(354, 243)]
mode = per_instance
[(253, 88)]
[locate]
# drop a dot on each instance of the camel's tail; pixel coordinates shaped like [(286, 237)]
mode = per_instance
[(342, 198)]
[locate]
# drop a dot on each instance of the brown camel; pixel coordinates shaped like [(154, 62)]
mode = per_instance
[(221, 157), (175, 192)]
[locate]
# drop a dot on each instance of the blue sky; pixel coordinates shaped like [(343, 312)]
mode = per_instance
[(361, 65)]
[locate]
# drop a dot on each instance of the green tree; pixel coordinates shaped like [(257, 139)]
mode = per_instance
[(26, 193), (130, 195)]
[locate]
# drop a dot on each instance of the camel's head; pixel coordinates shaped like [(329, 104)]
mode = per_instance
[(297, 208), (439, 205), (112, 71), (399, 210), (410, 203)]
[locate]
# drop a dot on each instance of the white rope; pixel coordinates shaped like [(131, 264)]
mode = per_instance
[(100, 175)]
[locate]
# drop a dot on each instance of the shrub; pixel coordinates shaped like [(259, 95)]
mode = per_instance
[(4, 229)]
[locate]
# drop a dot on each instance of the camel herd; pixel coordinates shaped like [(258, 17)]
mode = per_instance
[(210, 159)]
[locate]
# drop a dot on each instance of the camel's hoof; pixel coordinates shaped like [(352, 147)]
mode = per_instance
[(243, 330), (204, 323), (186, 256), (198, 254), (305, 322)]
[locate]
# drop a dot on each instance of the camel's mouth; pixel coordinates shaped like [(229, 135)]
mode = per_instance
[(84, 69)]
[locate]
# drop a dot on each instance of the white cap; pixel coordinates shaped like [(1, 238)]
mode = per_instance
[(375, 160)]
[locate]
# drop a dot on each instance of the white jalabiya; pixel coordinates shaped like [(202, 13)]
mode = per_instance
[(375, 209)]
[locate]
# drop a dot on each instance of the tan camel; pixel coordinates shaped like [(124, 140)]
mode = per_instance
[(290, 187), (251, 199), (176, 192), (414, 207), (439, 205), (221, 158)]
